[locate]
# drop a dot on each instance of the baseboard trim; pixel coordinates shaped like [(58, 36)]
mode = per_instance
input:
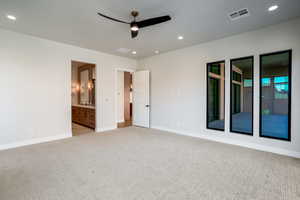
[(99, 130), (34, 141), (275, 150)]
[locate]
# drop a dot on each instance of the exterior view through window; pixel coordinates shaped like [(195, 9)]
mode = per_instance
[(216, 95), (275, 95), (241, 102)]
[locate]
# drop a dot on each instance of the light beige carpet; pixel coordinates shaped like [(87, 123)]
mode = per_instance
[(143, 164)]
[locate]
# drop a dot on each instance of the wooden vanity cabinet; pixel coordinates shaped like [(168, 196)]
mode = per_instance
[(84, 116)]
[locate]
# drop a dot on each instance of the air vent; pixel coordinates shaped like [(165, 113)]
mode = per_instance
[(123, 50), (239, 14)]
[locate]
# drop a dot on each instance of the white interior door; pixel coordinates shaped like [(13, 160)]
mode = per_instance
[(141, 99)]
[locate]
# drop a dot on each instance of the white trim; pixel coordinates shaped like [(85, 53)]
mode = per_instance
[(116, 91), (106, 129), (34, 141), (212, 137)]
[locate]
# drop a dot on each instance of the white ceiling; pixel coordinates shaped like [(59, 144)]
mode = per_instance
[(76, 22)]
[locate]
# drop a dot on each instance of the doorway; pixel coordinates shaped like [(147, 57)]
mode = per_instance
[(83, 98), (132, 98), (124, 99)]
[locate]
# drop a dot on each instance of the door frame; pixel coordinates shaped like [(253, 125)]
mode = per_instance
[(116, 90)]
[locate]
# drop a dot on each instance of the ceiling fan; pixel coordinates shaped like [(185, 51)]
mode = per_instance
[(136, 25)]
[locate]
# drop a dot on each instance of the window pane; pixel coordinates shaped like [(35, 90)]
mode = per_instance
[(215, 95), (215, 68), (247, 83), (242, 96), (266, 81), (237, 77), (281, 79), (275, 97)]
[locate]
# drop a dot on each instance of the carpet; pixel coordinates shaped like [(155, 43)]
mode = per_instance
[(145, 164)]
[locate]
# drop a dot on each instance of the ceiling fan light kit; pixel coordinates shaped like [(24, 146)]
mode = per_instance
[(136, 25)]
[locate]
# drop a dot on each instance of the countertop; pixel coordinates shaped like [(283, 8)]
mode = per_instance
[(84, 106)]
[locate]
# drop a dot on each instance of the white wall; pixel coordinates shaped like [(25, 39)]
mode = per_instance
[(35, 88), (120, 94), (178, 85)]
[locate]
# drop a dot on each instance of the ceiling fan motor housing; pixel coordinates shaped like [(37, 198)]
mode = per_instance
[(134, 13)]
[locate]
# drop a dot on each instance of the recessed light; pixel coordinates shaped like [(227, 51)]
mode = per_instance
[(180, 37), (157, 52), (272, 8), (134, 52), (11, 17)]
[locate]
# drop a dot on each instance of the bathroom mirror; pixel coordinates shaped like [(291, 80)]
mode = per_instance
[(86, 84)]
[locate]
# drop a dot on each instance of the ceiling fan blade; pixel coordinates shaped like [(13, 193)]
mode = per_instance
[(117, 20), (153, 21), (134, 34)]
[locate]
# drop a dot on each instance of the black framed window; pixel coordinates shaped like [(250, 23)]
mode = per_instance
[(241, 98), (216, 95), (275, 95)]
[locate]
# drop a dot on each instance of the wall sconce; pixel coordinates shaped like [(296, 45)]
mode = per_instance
[(90, 85), (75, 88)]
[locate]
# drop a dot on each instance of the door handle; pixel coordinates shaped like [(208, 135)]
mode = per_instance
[(147, 106)]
